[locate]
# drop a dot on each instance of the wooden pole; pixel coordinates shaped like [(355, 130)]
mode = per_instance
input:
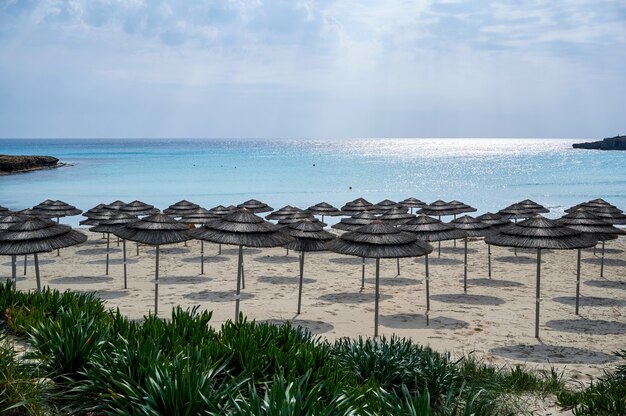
[(602, 261), (376, 299), (538, 296), (14, 271), (37, 273), (239, 269), (363, 274), (427, 292), (489, 258), (106, 270), (465, 268), (124, 257), (201, 256), (301, 280), (577, 281), (156, 283)]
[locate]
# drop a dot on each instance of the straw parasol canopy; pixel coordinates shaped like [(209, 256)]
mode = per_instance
[(357, 206), (4, 211), (378, 240), (110, 225), (594, 204), (283, 212), (441, 208), (588, 222), (541, 233), (56, 209), (324, 209), (34, 236), (523, 209), (10, 219), (396, 216), (307, 236), (461, 207), (294, 218), (181, 208), (96, 215), (242, 228), (29, 212), (387, 205), (221, 210), (431, 229), (607, 214), (358, 220), (255, 206), (139, 209), (473, 228), (117, 204), (412, 203), (155, 230)]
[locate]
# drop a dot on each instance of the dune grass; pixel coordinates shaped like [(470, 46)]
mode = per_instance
[(83, 359)]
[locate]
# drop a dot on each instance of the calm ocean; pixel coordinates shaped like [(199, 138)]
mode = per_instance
[(485, 173)]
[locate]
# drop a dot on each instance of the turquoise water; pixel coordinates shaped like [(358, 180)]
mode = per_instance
[(485, 173)]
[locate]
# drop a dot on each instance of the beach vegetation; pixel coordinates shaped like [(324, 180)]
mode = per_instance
[(81, 358)]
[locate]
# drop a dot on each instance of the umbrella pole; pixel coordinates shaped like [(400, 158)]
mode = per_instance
[(439, 248), (239, 269), (118, 241), (243, 275), (398, 261), (14, 270), (156, 284), (577, 281), (427, 291), (25, 262), (489, 258), (37, 273), (287, 252), (363, 274), (107, 262), (455, 238), (219, 249), (538, 299), (124, 251), (376, 298), (601, 262), (465, 268), (201, 256), (301, 279), (137, 248)]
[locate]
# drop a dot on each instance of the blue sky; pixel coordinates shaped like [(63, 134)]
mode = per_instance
[(307, 68)]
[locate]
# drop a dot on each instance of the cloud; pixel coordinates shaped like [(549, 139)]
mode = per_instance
[(310, 67)]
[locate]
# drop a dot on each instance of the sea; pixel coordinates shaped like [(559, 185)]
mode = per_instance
[(488, 174)]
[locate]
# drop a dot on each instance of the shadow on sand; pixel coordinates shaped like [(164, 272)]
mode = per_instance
[(418, 321), (220, 296), (468, 299), (352, 297), (588, 326), (552, 354)]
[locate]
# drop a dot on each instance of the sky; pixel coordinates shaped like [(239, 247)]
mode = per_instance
[(312, 68)]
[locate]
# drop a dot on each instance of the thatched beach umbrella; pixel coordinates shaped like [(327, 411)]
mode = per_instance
[(255, 206), (357, 206), (387, 205), (4, 211), (180, 208), (541, 233), (56, 209), (379, 240), (139, 209), (108, 226), (607, 213), (523, 209), (354, 223), (431, 229), (7, 221), (222, 211), (155, 230), (308, 236), (242, 228), (34, 236), (396, 216), (324, 209), (588, 223), (412, 203), (117, 204), (495, 221), (199, 216), (473, 228), (283, 212), (294, 218), (439, 208)]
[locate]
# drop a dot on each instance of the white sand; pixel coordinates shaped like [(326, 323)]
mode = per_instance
[(494, 320)]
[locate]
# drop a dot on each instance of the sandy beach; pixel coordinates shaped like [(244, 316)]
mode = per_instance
[(494, 320)]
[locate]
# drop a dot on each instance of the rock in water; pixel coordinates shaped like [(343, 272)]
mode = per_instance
[(12, 164), (611, 143)]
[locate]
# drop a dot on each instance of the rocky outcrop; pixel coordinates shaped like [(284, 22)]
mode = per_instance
[(14, 164), (611, 143)]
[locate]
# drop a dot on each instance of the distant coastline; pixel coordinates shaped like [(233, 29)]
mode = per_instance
[(610, 143), (10, 164)]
